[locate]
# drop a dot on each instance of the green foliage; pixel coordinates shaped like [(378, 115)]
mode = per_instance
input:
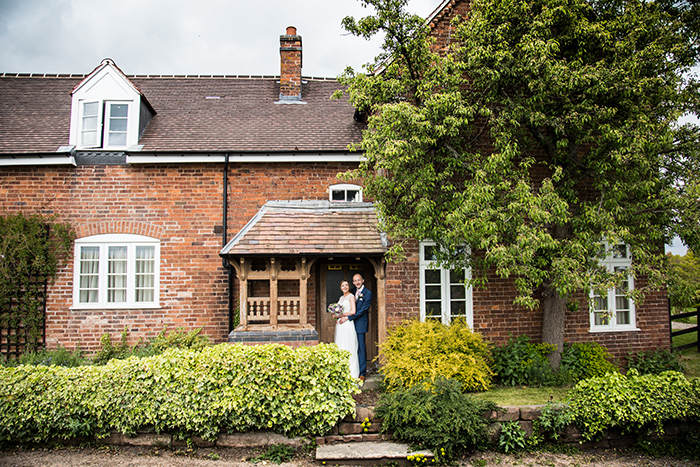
[(31, 248), (684, 280), (634, 402), (179, 339), (654, 361), (222, 388), (582, 360), (425, 351), (439, 417), (512, 437), (276, 453), (550, 424), (547, 127), (685, 446), (521, 363), (54, 357)]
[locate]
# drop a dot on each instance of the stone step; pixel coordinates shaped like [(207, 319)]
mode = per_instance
[(368, 453), (372, 382)]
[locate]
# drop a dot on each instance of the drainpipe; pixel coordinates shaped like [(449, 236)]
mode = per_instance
[(227, 265)]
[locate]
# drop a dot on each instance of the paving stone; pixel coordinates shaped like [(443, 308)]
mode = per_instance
[(367, 453)]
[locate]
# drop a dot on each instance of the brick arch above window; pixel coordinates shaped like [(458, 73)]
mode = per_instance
[(120, 227)]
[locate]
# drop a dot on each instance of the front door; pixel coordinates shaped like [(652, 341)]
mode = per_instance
[(331, 274)]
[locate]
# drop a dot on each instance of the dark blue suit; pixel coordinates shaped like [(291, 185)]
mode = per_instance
[(361, 320)]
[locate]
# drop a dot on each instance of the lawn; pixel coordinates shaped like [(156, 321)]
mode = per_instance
[(690, 358), (504, 396)]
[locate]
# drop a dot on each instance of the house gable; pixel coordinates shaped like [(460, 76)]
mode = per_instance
[(107, 110)]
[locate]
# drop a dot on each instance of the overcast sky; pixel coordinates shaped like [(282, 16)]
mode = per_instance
[(200, 37), (233, 37)]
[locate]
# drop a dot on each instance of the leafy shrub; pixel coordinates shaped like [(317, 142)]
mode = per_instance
[(550, 424), (422, 352), (654, 361), (223, 388), (633, 402), (439, 417), (685, 446), (512, 437), (51, 357), (276, 453), (580, 361), (521, 363), (177, 339)]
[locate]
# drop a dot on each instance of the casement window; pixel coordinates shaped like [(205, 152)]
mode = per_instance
[(346, 192), (104, 124), (116, 271), (614, 310), (443, 293)]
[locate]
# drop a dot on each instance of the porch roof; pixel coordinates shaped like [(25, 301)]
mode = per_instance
[(313, 228)]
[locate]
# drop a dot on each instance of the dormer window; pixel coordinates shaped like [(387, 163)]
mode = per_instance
[(108, 111), (104, 124), (346, 192)]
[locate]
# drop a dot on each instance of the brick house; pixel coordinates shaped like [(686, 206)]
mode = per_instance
[(199, 199)]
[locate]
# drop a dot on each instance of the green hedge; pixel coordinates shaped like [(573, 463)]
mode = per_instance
[(223, 388), (634, 402)]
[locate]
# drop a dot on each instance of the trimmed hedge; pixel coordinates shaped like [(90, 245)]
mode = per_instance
[(634, 402), (223, 388)]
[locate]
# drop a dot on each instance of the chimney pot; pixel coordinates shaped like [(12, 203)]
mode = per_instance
[(291, 31)]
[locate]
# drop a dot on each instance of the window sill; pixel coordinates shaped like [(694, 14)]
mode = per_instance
[(620, 329), (129, 306)]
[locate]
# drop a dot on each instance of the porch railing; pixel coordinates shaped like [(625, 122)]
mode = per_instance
[(288, 310)]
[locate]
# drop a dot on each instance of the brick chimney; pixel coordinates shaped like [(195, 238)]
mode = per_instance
[(290, 58)]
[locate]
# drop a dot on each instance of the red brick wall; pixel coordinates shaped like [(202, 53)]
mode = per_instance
[(496, 317), (178, 204)]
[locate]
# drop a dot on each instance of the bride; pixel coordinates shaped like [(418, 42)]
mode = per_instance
[(345, 335)]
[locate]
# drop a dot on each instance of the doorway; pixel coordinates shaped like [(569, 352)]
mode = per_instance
[(331, 273)]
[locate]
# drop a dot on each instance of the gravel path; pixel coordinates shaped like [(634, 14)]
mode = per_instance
[(163, 457)]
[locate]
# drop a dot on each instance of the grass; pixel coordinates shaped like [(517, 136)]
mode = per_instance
[(523, 396), (690, 358)]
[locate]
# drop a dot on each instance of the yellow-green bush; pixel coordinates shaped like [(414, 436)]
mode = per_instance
[(416, 351), (223, 388)]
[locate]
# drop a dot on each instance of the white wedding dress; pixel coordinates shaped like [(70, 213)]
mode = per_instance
[(346, 338)]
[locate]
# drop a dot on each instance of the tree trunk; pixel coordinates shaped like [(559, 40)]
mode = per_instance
[(553, 324)]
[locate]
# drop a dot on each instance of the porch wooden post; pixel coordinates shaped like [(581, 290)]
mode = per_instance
[(380, 274), (243, 293), (303, 301), (273, 292)]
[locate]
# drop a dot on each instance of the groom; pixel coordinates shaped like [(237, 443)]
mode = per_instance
[(363, 300)]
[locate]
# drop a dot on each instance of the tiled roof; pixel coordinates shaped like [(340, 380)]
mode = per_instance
[(309, 228), (193, 114)]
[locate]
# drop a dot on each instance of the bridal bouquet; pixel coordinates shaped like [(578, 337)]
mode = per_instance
[(335, 309)]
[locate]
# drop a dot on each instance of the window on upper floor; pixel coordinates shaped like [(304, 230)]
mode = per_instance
[(346, 192), (615, 310), (104, 124), (444, 294), (116, 271)]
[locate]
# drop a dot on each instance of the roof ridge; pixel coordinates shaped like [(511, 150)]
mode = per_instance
[(42, 75), (158, 76)]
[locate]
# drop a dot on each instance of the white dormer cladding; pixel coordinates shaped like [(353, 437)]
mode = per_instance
[(107, 110)]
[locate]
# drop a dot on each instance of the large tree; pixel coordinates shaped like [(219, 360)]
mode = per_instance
[(545, 129)]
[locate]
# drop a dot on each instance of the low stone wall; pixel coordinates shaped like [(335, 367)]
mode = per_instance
[(366, 426)]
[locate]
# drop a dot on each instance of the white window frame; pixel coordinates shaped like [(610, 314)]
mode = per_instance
[(103, 123), (103, 243), (614, 263), (345, 188), (445, 289)]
